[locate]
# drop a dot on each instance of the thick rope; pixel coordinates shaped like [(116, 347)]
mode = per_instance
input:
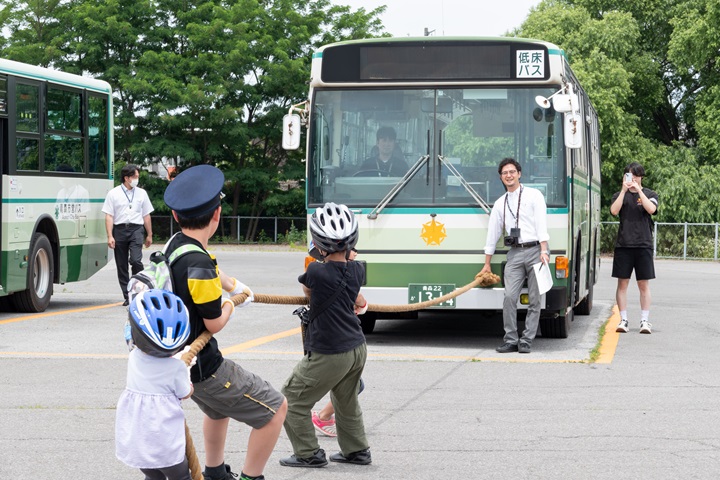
[(481, 280), (193, 462)]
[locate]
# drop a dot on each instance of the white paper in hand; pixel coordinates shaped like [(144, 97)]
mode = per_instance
[(543, 276)]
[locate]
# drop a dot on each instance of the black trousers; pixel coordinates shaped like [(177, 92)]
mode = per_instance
[(128, 245)]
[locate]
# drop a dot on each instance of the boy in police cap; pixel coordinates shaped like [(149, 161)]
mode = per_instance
[(223, 389)]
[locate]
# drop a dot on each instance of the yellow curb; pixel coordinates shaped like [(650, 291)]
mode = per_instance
[(609, 342)]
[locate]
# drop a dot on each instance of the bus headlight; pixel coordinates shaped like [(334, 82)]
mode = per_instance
[(561, 267)]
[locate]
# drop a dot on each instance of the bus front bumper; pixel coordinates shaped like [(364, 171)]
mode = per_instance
[(474, 299)]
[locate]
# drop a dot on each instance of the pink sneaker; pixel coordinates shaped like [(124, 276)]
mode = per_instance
[(326, 427)]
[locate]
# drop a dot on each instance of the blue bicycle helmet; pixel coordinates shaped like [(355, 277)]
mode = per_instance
[(159, 322)]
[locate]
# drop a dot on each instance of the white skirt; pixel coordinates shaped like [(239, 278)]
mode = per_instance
[(149, 430)]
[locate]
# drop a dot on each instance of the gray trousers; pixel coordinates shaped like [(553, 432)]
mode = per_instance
[(518, 267), (312, 378)]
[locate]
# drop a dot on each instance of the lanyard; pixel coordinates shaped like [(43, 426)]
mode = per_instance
[(516, 216), (130, 200)]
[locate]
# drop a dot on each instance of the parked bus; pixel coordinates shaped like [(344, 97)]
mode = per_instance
[(455, 107), (56, 145)]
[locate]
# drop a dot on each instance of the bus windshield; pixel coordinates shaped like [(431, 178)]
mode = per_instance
[(441, 146)]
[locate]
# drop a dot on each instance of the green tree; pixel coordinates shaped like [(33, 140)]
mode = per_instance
[(34, 27), (650, 69), (695, 48), (207, 81)]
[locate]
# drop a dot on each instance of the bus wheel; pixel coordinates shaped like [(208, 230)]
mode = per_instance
[(367, 322), (40, 277), (586, 304)]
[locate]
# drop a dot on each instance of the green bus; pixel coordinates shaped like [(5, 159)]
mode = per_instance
[(56, 146), (456, 107)]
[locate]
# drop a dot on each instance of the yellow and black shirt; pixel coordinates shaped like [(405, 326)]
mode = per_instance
[(196, 280)]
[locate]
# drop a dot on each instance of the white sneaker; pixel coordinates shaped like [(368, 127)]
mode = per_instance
[(645, 327), (622, 326)]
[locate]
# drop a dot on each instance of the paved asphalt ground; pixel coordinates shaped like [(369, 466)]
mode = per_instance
[(439, 402)]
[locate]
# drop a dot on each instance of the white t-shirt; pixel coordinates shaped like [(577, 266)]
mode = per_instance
[(127, 206), (149, 421)]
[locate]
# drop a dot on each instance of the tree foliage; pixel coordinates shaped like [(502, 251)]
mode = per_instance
[(199, 81), (650, 68)]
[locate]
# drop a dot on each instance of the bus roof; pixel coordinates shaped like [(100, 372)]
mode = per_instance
[(39, 73), (550, 46)]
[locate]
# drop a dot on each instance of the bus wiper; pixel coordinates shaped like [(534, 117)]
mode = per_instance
[(483, 204), (398, 186)]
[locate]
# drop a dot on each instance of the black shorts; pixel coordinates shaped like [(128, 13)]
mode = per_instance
[(628, 259)]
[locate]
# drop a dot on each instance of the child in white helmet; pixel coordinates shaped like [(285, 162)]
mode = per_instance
[(335, 348)]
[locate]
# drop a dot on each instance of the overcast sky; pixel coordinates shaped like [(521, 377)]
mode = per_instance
[(404, 18)]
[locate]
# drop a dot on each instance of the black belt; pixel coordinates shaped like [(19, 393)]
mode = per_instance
[(527, 244), (127, 225)]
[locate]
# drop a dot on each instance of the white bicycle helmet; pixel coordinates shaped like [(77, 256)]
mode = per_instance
[(333, 228), (159, 322)]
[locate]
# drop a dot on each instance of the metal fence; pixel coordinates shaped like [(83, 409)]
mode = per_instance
[(691, 241), (688, 241), (237, 230)]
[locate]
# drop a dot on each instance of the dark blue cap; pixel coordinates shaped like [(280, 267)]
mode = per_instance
[(195, 191)]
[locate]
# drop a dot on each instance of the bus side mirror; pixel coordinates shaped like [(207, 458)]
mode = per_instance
[(572, 130), (291, 132)]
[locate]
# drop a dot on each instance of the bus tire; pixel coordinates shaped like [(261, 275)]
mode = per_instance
[(586, 304), (36, 297), (367, 322)]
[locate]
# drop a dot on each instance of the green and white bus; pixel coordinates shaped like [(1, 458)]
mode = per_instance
[(56, 146), (457, 106)]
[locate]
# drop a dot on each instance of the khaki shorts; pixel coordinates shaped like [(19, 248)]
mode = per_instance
[(238, 394)]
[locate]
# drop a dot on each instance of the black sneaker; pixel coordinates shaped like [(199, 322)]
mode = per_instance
[(507, 348), (524, 347), (126, 303), (358, 458), (229, 475), (317, 460)]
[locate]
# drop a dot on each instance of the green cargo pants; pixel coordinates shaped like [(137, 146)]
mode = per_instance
[(312, 378)]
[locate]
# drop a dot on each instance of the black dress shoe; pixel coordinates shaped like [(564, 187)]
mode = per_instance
[(316, 461), (507, 348), (358, 458), (524, 347), (125, 303)]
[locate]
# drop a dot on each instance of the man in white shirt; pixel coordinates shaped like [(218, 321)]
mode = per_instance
[(521, 215), (127, 210)]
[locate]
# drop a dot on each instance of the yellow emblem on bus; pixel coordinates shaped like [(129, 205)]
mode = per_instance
[(433, 233)]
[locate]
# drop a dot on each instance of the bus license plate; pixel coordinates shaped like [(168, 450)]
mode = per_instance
[(419, 292)]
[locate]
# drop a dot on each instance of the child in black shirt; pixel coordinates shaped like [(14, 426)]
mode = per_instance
[(334, 344)]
